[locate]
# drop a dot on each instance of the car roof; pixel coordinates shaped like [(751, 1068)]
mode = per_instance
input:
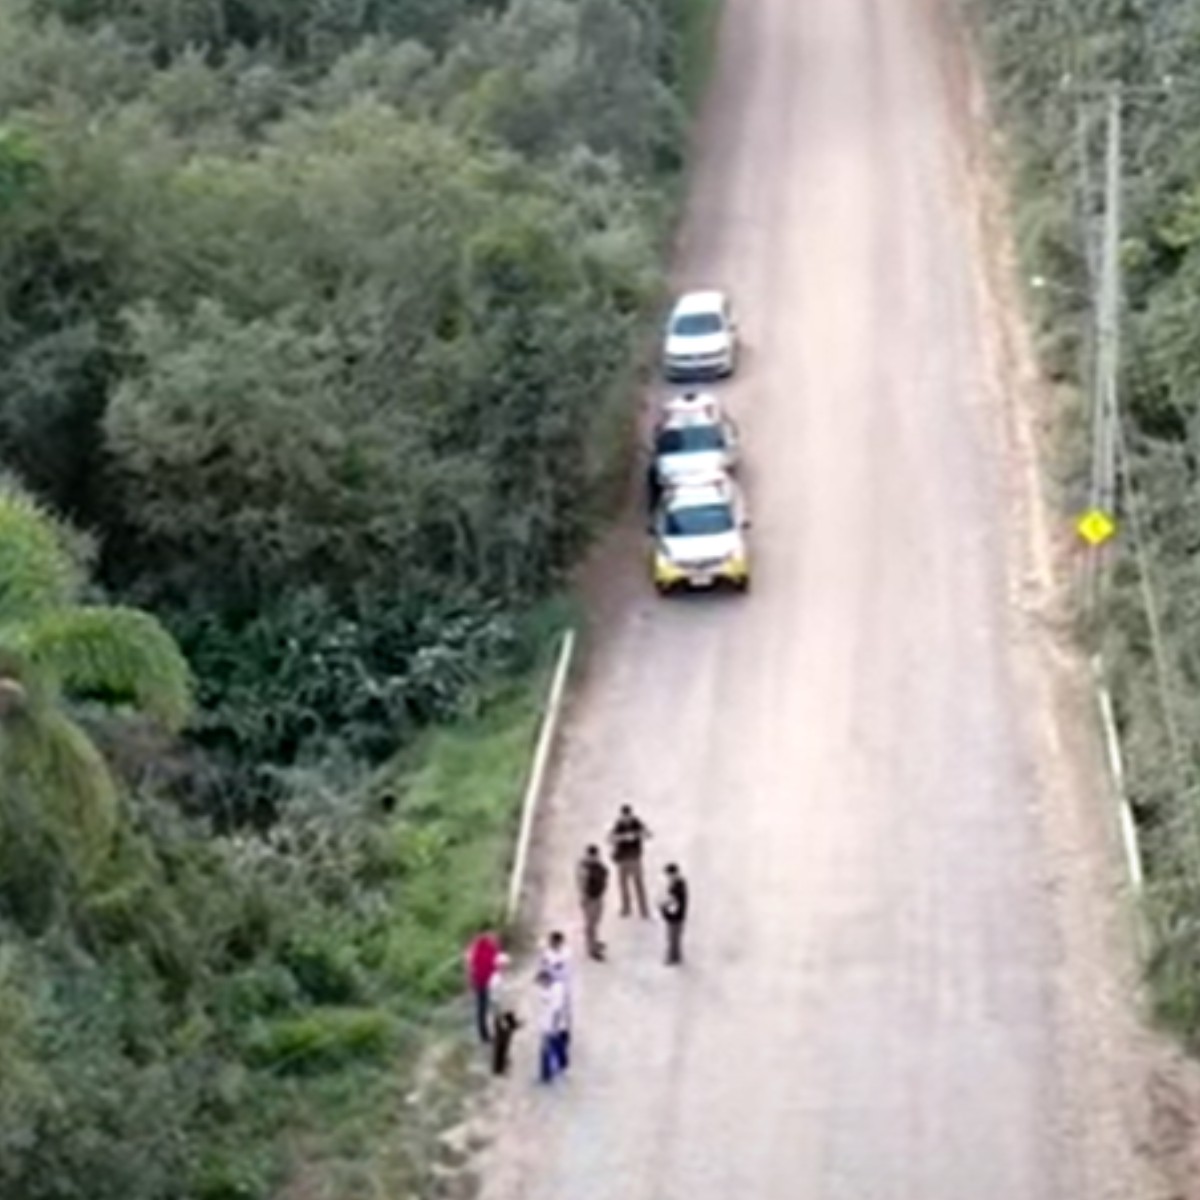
[(700, 410), (715, 488), (709, 300)]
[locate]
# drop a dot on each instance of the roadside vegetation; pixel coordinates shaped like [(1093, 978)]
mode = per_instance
[(1032, 45), (317, 325)]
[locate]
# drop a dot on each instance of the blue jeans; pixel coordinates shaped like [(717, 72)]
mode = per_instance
[(554, 1056), (482, 1014)]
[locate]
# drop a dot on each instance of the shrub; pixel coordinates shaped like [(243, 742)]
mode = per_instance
[(322, 1039)]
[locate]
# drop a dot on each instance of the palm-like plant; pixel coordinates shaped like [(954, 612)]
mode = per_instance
[(54, 651)]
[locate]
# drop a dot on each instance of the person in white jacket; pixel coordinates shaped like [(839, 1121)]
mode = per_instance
[(554, 1025), (502, 1008), (556, 958)]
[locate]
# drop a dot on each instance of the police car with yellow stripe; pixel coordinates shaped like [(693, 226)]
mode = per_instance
[(699, 529)]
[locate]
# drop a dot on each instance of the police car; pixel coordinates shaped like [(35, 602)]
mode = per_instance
[(699, 535), (694, 437)]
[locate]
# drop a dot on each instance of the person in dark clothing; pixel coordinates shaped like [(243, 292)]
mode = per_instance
[(593, 883), (654, 487), (674, 910), (627, 839)]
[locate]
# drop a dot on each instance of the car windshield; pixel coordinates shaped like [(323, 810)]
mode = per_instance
[(698, 520), (697, 324), (683, 439)]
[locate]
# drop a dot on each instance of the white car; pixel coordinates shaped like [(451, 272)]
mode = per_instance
[(701, 337), (694, 437), (699, 536)]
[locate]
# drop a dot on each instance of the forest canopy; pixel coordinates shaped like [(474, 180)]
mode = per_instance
[(316, 307), (318, 320)]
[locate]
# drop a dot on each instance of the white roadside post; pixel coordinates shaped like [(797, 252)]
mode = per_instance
[(1116, 766), (537, 774)]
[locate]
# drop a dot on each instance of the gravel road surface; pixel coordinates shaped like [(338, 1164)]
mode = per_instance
[(844, 760)]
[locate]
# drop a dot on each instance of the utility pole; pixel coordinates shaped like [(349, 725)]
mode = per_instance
[(1106, 285), (1105, 412)]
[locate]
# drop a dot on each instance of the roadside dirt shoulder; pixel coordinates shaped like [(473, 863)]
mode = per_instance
[(1131, 1078)]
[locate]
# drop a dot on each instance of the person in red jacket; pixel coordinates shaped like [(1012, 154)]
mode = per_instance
[(481, 958)]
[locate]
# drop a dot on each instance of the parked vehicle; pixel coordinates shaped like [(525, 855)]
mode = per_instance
[(701, 337), (699, 536), (694, 436)]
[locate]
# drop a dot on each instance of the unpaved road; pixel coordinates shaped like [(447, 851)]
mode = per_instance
[(842, 761)]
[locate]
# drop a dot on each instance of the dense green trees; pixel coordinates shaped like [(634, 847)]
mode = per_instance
[(1033, 44), (58, 806), (317, 317), (332, 298)]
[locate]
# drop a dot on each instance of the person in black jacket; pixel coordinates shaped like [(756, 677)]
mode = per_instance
[(627, 839), (674, 910), (654, 487), (592, 881)]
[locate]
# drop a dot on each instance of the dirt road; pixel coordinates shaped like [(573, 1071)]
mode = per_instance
[(843, 760)]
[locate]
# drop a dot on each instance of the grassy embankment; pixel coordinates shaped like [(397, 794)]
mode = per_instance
[(374, 1127), (699, 21)]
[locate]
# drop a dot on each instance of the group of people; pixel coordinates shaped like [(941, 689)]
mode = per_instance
[(627, 842), (496, 1009), (497, 1018)]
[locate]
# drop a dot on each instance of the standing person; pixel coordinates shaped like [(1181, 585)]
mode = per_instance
[(627, 839), (593, 883), (553, 1023), (654, 488), (481, 963), (674, 909), (556, 959), (505, 1021)]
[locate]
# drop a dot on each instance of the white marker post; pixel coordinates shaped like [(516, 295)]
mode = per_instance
[(537, 774)]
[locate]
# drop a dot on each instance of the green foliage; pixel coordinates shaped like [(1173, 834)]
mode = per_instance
[(319, 317), (329, 299), (117, 655), (1031, 45), (322, 1039), (215, 990), (37, 571), (697, 22), (59, 799)]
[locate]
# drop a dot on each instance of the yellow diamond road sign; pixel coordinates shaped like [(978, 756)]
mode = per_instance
[(1096, 527)]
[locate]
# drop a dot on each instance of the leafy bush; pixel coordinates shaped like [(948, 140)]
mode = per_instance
[(321, 1039)]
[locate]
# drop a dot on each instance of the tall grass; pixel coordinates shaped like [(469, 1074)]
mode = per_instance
[(365, 1120), (698, 23)]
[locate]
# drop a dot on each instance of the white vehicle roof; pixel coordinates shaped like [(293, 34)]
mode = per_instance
[(715, 489), (710, 300), (699, 410)]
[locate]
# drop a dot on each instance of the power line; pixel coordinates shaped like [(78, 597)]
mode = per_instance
[(1111, 457), (1103, 264), (1158, 649)]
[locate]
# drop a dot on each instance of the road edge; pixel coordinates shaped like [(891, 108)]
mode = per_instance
[(1146, 1096), (536, 783)]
